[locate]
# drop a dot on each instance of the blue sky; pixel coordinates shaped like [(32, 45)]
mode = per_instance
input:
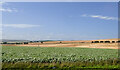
[(60, 20)]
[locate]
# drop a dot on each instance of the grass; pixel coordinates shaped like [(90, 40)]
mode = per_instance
[(59, 57)]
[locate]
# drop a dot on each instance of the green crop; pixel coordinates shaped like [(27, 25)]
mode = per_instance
[(55, 54)]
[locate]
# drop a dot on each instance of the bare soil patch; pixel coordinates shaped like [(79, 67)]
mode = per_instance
[(82, 45)]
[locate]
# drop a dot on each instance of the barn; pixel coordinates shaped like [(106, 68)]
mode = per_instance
[(106, 41)]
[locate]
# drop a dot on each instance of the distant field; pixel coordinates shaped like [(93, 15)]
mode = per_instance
[(12, 54)]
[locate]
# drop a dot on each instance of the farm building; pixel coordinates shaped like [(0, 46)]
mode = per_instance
[(106, 41)]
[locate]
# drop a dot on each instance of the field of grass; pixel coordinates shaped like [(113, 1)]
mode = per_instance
[(41, 57)]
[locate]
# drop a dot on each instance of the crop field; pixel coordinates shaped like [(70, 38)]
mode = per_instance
[(57, 56)]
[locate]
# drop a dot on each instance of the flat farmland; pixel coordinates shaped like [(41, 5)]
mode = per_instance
[(58, 56), (71, 44)]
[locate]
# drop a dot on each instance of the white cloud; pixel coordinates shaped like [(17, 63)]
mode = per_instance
[(2, 2), (19, 25), (8, 10), (100, 17)]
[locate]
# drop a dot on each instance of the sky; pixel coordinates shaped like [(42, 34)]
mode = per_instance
[(59, 20)]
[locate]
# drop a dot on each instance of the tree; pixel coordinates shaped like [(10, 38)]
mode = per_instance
[(4, 42)]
